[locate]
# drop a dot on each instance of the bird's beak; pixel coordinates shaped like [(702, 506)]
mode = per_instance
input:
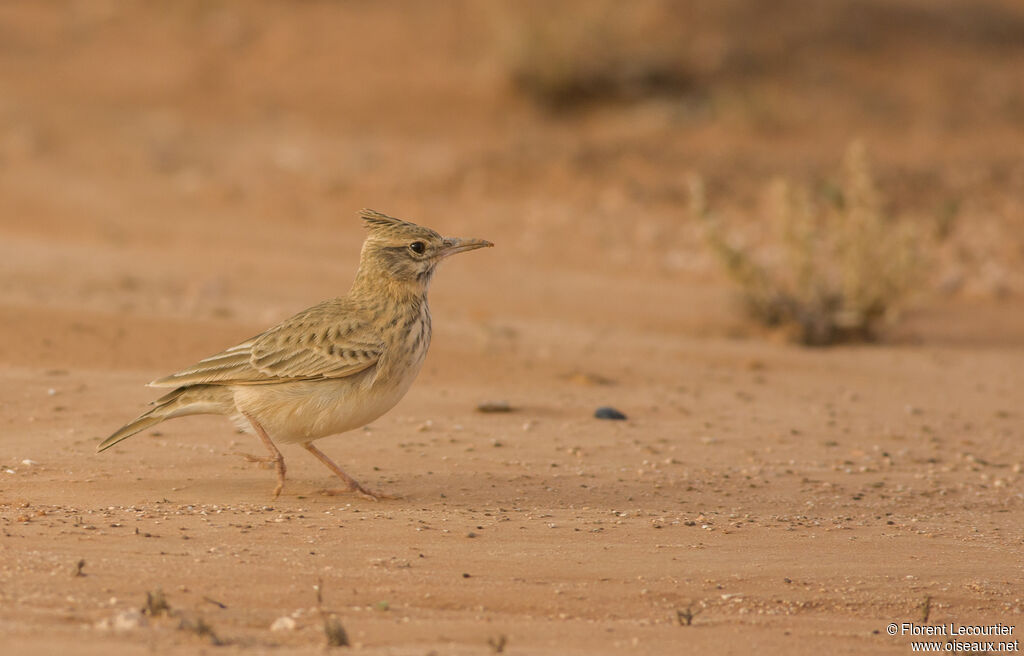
[(453, 245)]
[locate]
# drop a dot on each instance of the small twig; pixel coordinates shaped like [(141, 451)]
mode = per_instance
[(335, 632), (926, 609), (201, 629), (214, 602), (498, 643), (77, 571), (685, 617)]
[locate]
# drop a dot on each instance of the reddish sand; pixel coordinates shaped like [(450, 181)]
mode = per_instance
[(174, 180)]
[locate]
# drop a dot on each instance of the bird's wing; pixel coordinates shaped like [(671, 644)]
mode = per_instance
[(325, 341)]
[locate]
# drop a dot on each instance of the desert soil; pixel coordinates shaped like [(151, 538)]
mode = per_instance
[(174, 179)]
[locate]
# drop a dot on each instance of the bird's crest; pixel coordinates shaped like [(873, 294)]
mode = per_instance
[(385, 226), (375, 219)]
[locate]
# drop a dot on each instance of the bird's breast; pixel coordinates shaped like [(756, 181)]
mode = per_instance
[(302, 411)]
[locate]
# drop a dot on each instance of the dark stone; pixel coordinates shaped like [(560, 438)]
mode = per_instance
[(608, 412)]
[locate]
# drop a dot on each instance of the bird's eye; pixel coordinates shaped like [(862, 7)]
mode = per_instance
[(418, 247)]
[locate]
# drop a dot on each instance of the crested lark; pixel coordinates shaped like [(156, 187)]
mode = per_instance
[(337, 366)]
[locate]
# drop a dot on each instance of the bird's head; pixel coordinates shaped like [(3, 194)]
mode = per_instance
[(403, 253)]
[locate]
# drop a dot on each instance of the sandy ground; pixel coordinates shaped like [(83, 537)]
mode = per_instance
[(174, 181)]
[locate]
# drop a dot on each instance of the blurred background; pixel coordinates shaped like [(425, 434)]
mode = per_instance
[(638, 164), (685, 197)]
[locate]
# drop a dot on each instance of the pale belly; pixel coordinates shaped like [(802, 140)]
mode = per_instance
[(304, 411)]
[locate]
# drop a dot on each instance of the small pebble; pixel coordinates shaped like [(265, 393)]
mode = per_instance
[(284, 623), (608, 412), (127, 620), (494, 406)]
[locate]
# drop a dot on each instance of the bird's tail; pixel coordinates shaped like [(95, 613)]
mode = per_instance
[(192, 400)]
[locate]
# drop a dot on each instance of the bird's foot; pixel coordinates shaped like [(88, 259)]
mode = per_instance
[(268, 462), (265, 461), (369, 495), (275, 458)]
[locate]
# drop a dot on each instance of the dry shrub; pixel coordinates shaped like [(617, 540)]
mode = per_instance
[(564, 55), (836, 265)]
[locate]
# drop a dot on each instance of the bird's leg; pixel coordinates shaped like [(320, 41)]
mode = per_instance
[(351, 484), (275, 455)]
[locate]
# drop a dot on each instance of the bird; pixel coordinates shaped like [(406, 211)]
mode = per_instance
[(331, 368)]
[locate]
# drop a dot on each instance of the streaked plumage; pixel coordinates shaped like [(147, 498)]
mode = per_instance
[(331, 368)]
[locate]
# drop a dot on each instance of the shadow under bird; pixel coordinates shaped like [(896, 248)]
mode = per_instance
[(337, 366)]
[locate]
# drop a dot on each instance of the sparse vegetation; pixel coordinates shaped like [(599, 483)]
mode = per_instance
[(836, 265), (200, 627), (684, 616), (333, 629), (156, 603), (567, 55), (498, 643), (157, 606)]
